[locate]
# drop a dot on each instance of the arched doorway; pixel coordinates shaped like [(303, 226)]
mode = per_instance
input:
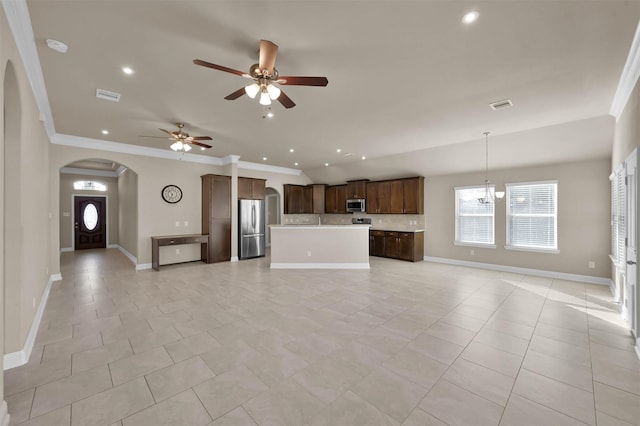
[(272, 211), (12, 226), (85, 186)]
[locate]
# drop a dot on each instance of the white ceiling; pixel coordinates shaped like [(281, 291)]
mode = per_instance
[(403, 75)]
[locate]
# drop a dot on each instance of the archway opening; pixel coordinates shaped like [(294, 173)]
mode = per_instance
[(272, 211)]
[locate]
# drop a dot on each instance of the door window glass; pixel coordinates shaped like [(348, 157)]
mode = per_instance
[(90, 216)]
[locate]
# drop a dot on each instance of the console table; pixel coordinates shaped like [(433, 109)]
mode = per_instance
[(174, 240)]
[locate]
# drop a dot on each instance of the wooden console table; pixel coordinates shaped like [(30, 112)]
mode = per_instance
[(174, 240)]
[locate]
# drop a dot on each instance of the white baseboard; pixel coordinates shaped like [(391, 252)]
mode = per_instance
[(234, 259), (66, 249), (638, 347), (16, 359), (113, 246), (131, 257), (524, 271), (319, 265), (4, 414), (143, 266)]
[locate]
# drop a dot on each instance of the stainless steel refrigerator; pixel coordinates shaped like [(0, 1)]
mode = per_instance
[(250, 228)]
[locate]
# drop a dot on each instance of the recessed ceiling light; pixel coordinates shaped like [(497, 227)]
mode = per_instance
[(264, 158), (202, 148), (326, 164), (127, 70), (470, 17), (270, 114), (56, 45), (292, 150), (295, 164), (105, 132), (338, 150), (364, 158)]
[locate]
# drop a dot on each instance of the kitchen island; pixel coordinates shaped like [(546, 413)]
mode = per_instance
[(319, 246)]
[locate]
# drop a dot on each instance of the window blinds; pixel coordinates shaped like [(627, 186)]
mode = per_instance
[(618, 217), (474, 220), (532, 215)]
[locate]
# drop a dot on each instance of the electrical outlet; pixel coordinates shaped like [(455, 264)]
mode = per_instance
[(186, 223), (308, 253), (34, 302), (592, 264), (177, 251), (473, 252), (177, 223)]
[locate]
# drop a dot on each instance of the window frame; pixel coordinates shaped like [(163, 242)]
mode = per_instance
[(90, 185), (457, 241), (509, 215)]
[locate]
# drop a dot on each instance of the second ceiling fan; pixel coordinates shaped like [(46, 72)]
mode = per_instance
[(264, 75)]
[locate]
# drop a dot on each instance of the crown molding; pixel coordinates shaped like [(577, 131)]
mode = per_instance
[(629, 77), (20, 24), (230, 159), (88, 172)]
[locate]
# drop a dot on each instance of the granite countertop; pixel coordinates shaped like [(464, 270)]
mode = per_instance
[(396, 228)]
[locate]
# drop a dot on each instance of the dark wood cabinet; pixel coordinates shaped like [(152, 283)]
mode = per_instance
[(357, 189), (216, 218), (399, 196), (376, 243), (250, 189), (397, 245), (335, 199), (298, 199), (318, 198)]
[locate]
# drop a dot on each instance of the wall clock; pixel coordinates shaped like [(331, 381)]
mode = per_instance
[(171, 194)]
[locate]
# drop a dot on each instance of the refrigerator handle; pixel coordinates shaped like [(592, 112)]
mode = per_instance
[(253, 216)]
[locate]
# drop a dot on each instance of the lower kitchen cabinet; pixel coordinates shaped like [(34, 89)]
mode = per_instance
[(397, 245)]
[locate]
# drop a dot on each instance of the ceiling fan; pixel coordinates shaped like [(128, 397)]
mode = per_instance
[(182, 140), (264, 75)]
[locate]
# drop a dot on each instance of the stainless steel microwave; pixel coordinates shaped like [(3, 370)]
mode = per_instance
[(356, 206)]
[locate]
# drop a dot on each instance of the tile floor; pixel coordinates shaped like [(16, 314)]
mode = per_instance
[(401, 344)]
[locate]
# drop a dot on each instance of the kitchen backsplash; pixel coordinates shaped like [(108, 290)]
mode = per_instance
[(392, 221)]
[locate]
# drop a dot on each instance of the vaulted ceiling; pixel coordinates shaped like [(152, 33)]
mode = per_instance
[(403, 75)]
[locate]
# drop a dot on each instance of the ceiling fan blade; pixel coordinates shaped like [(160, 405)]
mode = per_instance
[(268, 53), (204, 145), (170, 133), (285, 100), (303, 81), (235, 95), (201, 138), (220, 68)]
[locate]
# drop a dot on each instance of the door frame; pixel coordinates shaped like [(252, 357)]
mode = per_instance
[(630, 312), (268, 199), (73, 217)]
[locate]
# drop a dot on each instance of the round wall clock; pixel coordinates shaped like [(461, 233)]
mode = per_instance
[(171, 194)]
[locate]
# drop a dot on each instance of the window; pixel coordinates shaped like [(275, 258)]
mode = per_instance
[(618, 213), (474, 220), (532, 216), (89, 185)]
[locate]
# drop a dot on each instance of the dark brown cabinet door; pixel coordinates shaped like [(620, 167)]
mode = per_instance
[(245, 191), (257, 189), (372, 197), (341, 199), (405, 246), (90, 214), (397, 196), (376, 243), (413, 193), (384, 197), (318, 198), (307, 199), (330, 200), (357, 189), (216, 217), (391, 245)]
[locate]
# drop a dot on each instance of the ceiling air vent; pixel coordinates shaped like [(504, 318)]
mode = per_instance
[(506, 103), (107, 95)]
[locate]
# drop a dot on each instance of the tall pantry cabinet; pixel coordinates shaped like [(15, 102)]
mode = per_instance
[(216, 217)]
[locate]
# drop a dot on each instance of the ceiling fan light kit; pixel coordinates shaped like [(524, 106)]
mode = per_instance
[(488, 196), (264, 76)]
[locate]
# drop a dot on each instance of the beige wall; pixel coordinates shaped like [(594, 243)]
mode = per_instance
[(128, 211), (32, 253), (583, 219), (66, 206)]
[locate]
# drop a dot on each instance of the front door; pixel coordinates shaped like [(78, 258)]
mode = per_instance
[(90, 214)]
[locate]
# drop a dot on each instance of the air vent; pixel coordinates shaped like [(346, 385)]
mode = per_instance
[(506, 103), (107, 95)]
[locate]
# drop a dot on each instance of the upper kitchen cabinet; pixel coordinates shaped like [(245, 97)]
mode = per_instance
[(318, 198), (298, 199), (357, 189), (379, 197), (398, 196), (250, 189), (335, 199)]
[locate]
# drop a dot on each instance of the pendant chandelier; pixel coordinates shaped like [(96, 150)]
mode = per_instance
[(488, 196)]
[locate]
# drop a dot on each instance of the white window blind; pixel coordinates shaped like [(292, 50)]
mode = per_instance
[(618, 217), (474, 220), (532, 215)]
